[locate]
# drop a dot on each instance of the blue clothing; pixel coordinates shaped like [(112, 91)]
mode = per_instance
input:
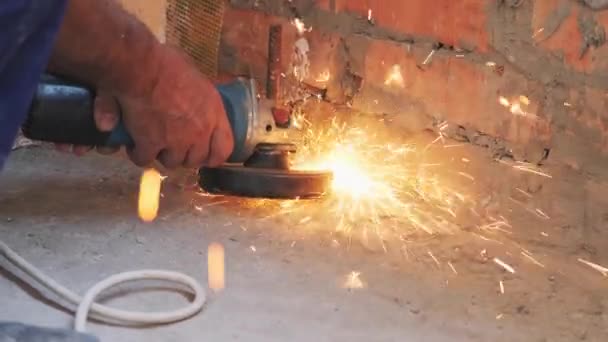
[(27, 33)]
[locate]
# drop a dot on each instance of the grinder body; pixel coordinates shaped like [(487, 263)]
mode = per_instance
[(62, 112), (259, 165)]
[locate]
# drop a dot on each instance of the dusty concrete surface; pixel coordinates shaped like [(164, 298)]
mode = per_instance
[(75, 219)]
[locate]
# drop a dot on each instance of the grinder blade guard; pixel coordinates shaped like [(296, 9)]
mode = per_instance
[(260, 164), (263, 145)]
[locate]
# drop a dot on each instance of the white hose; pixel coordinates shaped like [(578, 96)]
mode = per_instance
[(86, 304)]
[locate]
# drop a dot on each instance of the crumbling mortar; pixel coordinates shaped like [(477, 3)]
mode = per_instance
[(596, 4), (512, 37)]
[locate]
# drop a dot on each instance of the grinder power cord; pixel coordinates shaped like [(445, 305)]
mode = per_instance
[(86, 306)]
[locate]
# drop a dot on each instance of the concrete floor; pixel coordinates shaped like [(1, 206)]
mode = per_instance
[(75, 218)]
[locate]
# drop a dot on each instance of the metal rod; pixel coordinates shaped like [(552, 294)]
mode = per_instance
[(274, 63)]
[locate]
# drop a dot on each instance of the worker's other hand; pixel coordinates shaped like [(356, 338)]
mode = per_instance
[(176, 116), (107, 116)]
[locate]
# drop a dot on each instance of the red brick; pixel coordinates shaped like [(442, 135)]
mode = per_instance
[(245, 42), (473, 101), (323, 4), (325, 66), (454, 89), (459, 23), (567, 40)]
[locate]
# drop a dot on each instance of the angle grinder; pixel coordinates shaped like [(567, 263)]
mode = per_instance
[(62, 112)]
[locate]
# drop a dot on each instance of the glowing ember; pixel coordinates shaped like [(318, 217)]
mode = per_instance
[(353, 281), (603, 270), (504, 265), (539, 31), (518, 106), (452, 267), (395, 77), (324, 77), (503, 101), (149, 193), (215, 267), (299, 24), (429, 57)]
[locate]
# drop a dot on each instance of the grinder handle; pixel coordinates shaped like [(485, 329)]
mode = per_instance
[(62, 112)]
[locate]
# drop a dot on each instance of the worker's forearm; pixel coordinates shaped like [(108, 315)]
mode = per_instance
[(102, 45)]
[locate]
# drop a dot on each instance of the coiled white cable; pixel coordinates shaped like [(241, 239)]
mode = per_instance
[(87, 307)]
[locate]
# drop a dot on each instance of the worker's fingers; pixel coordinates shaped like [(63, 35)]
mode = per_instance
[(107, 112), (143, 154), (65, 148), (221, 147), (107, 150), (196, 156), (198, 153), (78, 150), (172, 158), (81, 150)]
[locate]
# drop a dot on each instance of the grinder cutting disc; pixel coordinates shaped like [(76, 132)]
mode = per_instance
[(265, 182)]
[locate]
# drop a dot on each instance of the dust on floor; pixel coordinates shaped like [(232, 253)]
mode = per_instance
[(291, 280)]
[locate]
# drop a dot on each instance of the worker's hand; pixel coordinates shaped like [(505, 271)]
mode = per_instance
[(179, 119), (107, 116)]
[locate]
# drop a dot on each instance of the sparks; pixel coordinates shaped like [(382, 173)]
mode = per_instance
[(531, 169), (429, 58), (504, 265), (299, 24), (603, 270), (149, 194), (353, 281), (434, 259), (215, 267), (324, 77), (395, 77), (452, 267), (378, 184), (504, 101), (539, 31), (529, 256)]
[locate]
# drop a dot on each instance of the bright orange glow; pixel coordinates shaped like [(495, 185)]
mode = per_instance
[(149, 194), (215, 267), (395, 77), (377, 185)]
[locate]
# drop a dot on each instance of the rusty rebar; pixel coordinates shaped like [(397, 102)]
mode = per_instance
[(273, 82)]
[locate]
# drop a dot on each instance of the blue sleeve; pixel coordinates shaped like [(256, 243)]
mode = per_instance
[(27, 33)]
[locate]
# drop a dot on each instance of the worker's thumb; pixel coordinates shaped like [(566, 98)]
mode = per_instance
[(107, 116), (107, 112)]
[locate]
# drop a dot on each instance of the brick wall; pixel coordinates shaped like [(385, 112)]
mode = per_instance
[(525, 78)]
